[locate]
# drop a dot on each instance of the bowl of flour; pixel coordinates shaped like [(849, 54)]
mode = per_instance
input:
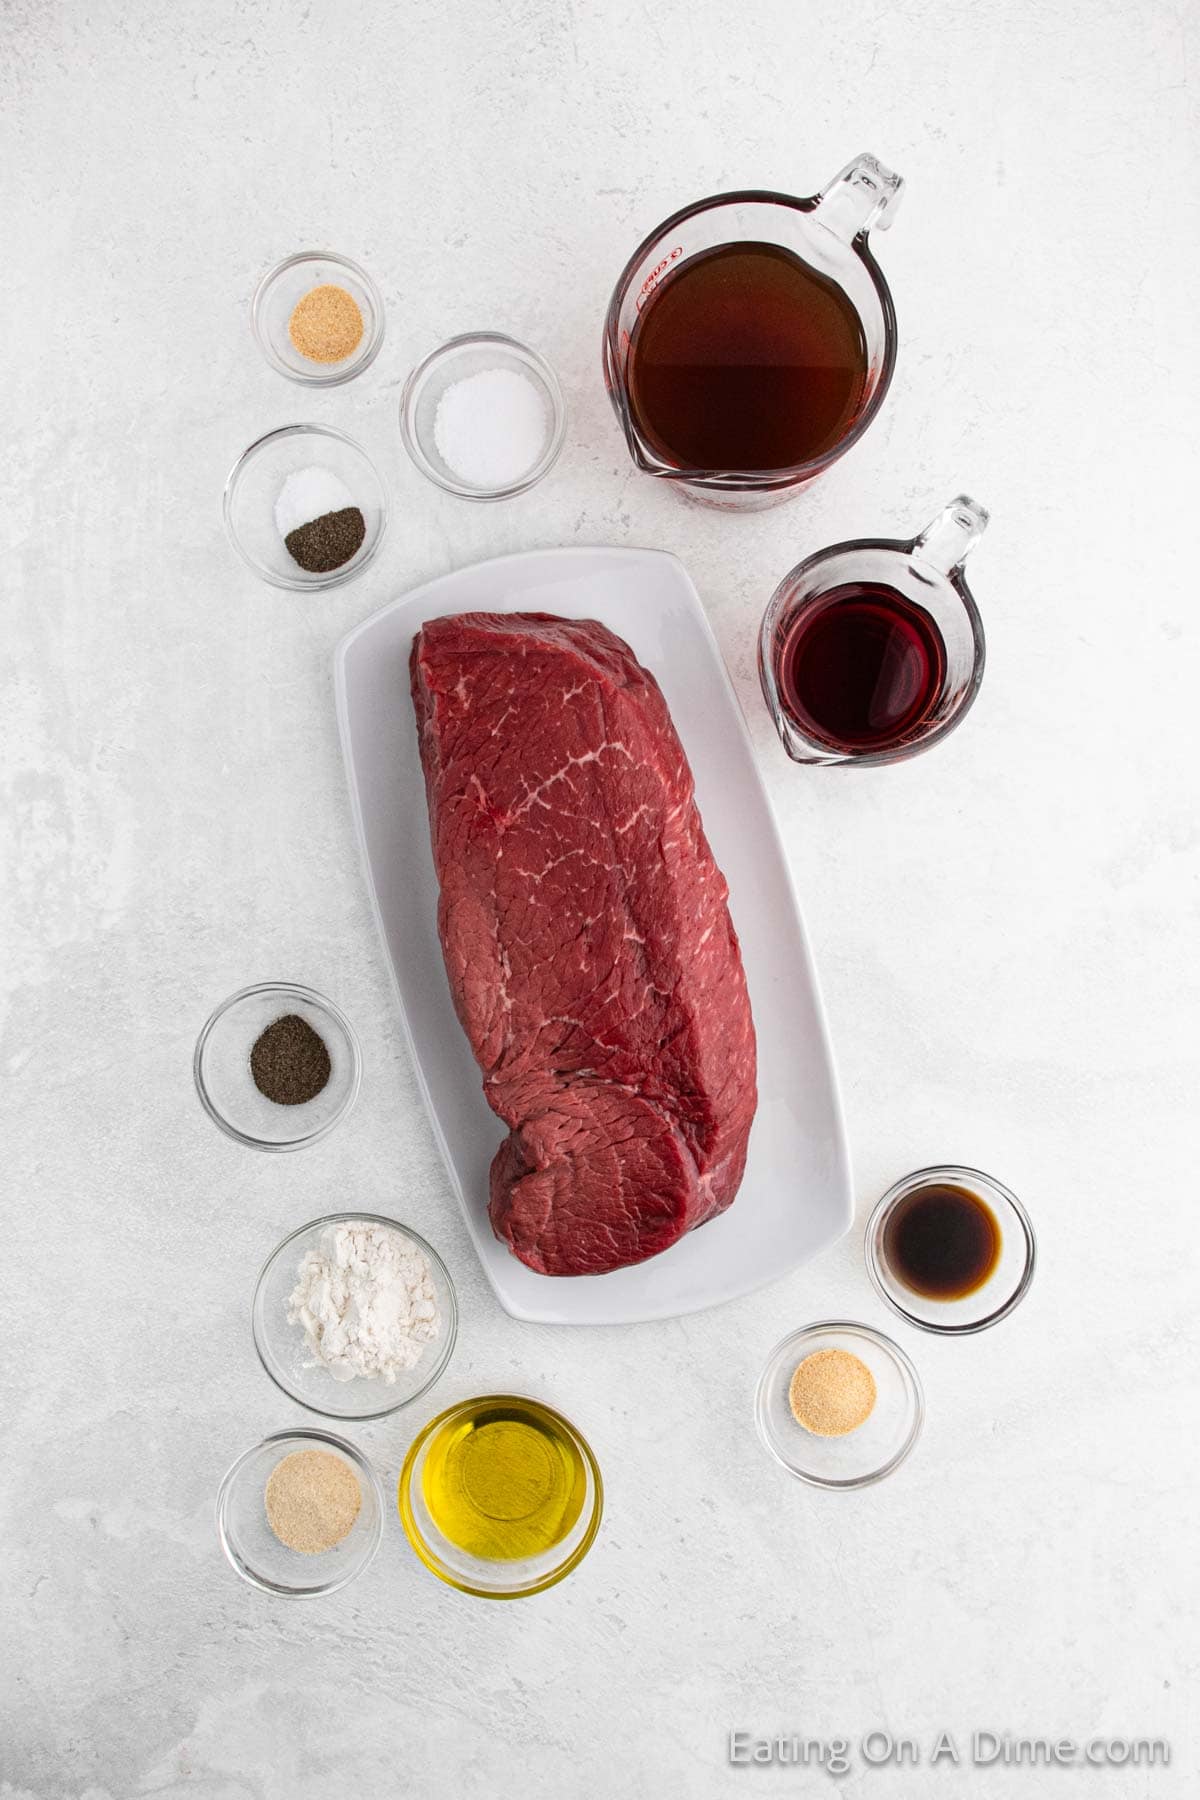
[(354, 1316)]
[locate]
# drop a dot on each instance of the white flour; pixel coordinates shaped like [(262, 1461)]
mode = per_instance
[(365, 1297)]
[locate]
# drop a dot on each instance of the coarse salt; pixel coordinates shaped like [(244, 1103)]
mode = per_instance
[(491, 428)]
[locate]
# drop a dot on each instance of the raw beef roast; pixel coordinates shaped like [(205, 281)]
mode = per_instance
[(587, 939)]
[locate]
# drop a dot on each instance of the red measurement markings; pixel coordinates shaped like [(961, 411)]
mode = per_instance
[(656, 274)]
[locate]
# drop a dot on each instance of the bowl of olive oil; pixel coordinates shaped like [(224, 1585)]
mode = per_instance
[(500, 1496)]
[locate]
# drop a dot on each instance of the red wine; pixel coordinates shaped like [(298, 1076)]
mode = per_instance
[(861, 667), (942, 1242), (746, 359)]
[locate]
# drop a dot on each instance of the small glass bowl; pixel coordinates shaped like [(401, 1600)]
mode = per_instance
[(276, 297), (252, 1547), (285, 1356), (478, 1575), (1004, 1288), (879, 1445), (253, 488), (469, 355), (221, 1066)]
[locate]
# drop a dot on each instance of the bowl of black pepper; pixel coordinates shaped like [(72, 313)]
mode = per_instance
[(305, 507), (277, 1066)]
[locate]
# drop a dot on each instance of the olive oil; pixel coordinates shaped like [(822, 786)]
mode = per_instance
[(503, 1481)]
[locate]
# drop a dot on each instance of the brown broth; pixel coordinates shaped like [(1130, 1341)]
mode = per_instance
[(746, 359)]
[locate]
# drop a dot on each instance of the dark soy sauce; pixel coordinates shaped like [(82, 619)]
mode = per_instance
[(746, 359), (861, 668), (942, 1242)]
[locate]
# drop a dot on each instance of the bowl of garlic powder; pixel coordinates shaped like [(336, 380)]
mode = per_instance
[(318, 318), (354, 1316), (839, 1404)]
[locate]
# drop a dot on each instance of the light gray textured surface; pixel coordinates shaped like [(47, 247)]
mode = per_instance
[(1005, 928)]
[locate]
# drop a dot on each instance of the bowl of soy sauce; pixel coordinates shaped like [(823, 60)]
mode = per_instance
[(951, 1249)]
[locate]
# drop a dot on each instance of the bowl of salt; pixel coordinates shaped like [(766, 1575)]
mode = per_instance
[(483, 417)]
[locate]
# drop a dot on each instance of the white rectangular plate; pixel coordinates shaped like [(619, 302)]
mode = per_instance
[(795, 1198)]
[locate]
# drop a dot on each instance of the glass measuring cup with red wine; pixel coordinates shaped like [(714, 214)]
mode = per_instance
[(873, 650), (751, 338)]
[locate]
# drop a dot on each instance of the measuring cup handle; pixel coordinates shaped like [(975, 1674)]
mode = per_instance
[(864, 195), (949, 539)]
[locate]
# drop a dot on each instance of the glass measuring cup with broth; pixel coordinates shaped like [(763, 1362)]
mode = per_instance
[(751, 338)]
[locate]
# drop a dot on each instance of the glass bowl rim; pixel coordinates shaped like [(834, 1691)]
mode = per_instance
[(558, 427), (439, 1364), (357, 360), (425, 1554), (345, 571), (889, 1347), (964, 1176), (319, 1003), (311, 1434)]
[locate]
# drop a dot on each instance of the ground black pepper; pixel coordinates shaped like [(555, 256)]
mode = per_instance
[(289, 1061), (328, 542)]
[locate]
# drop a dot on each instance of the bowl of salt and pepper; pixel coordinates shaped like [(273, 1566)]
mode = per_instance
[(305, 507), (855, 667)]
